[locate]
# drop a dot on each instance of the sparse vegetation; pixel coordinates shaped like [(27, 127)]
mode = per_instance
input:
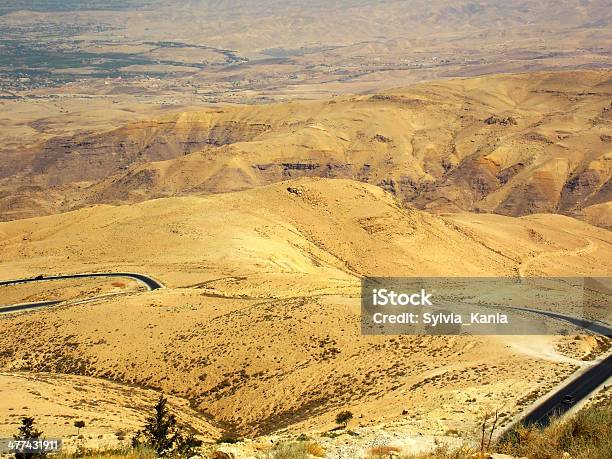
[(162, 435), (383, 452), (79, 425), (343, 418), (262, 193), (442, 452), (296, 450), (487, 437), (114, 453), (314, 449), (228, 439), (27, 430), (293, 450), (587, 435)]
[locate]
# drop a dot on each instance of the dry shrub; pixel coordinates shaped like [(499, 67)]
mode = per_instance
[(289, 450), (117, 453), (587, 435), (380, 452), (314, 449), (442, 452)]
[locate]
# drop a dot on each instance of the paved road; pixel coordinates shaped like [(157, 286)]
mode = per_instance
[(579, 388), (23, 307), (148, 282), (151, 283), (599, 328)]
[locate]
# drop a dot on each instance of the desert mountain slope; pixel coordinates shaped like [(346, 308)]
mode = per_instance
[(320, 228), (107, 408), (509, 144), (598, 214), (259, 327)]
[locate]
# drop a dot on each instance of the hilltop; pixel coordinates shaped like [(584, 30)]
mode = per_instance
[(507, 144)]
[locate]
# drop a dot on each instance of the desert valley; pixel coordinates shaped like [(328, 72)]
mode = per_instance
[(257, 209)]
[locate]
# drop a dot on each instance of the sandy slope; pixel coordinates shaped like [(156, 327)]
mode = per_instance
[(509, 144), (599, 214), (260, 328), (317, 228), (107, 408), (66, 290)]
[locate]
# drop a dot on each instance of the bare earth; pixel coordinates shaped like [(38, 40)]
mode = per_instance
[(509, 144), (259, 159), (271, 264)]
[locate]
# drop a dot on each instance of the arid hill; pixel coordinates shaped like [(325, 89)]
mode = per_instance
[(259, 159), (111, 411), (509, 144), (259, 325)]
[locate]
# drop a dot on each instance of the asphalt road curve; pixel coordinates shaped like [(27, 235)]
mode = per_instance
[(555, 405), (147, 281), (28, 306), (577, 389), (595, 327), (151, 283)]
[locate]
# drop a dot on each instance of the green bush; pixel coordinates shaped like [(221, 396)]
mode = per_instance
[(343, 418), (27, 430), (162, 435)]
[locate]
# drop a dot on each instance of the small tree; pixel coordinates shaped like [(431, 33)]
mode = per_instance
[(26, 431), (483, 429), (162, 434), (187, 446), (493, 426), (159, 430), (343, 418), (79, 425)]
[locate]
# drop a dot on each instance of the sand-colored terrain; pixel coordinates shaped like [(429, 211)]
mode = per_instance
[(598, 214), (111, 411), (259, 159), (291, 229), (509, 144), (65, 290), (27, 123), (259, 327)]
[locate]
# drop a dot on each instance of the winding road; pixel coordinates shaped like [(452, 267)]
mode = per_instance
[(577, 389), (554, 405), (147, 281), (599, 328), (526, 266)]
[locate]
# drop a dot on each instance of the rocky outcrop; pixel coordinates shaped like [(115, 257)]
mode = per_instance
[(503, 121)]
